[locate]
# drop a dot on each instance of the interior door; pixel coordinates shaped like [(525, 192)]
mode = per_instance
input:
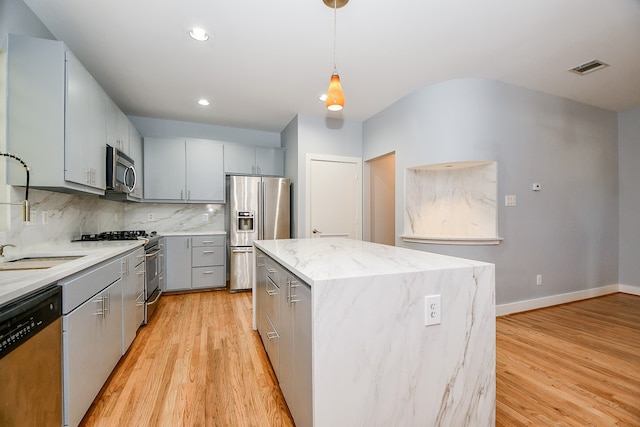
[(335, 199)]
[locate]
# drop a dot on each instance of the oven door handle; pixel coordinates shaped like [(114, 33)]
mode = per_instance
[(152, 254), (155, 300)]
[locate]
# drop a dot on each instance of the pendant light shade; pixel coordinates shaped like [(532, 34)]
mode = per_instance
[(335, 96)]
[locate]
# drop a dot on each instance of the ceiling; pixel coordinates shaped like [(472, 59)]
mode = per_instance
[(267, 61)]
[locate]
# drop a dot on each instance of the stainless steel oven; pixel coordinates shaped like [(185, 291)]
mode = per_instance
[(153, 267)]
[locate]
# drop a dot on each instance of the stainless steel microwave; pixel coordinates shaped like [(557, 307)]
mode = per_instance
[(121, 172)]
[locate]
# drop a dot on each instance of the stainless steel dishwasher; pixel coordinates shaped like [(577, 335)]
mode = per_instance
[(31, 359)]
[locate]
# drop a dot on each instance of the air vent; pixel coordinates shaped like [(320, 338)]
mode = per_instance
[(589, 67)]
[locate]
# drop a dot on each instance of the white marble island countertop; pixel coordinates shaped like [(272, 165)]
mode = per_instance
[(377, 358), (336, 258), (16, 283)]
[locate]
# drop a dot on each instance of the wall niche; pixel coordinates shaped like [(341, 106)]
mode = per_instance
[(452, 203)]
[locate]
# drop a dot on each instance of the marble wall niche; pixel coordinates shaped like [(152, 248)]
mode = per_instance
[(451, 203)]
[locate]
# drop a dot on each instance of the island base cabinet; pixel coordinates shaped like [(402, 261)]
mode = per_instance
[(302, 392), (92, 344)]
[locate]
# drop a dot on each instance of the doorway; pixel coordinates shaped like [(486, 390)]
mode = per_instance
[(382, 185), (334, 197)]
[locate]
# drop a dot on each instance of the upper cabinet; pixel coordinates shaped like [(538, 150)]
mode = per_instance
[(135, 152), (58, 119), (183, 170), (248, 160)]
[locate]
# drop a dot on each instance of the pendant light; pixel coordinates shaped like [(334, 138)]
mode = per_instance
[(335, 96)]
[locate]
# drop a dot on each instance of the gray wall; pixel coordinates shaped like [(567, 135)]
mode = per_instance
[(315, 135), (568, 232), (629, 164)]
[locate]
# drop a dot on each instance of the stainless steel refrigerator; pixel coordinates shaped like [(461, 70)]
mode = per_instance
[(259, 209)]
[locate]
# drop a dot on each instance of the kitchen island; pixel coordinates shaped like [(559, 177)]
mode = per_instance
[(372, 361)]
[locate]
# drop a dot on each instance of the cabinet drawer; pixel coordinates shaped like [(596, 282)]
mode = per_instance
[(83, 285), (208, 277), (272, 270), (214, 240), (272, 297), (204, 256)]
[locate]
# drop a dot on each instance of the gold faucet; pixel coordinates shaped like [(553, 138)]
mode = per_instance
[(4, 246)]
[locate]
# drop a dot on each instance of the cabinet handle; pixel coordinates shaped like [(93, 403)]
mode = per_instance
[(140, 273), (100, 312), (271, 270), (208, 252), (181, 193), (272, 292), (108, 303), (207, 272), (272, 335), (188, 194)]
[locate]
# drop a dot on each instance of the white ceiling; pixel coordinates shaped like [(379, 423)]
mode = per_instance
[(267, 61)]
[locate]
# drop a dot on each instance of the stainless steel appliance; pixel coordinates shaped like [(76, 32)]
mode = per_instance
[(152, 288), (31, 360), (121, 172), (259, 209)]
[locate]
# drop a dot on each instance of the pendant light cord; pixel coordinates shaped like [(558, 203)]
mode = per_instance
[(335, 19)]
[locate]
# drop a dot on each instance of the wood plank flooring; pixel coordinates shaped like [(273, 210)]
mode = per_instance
[(199, 363), (576, 364)]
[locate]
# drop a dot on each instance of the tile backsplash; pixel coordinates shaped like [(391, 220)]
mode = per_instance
[(63, 217)]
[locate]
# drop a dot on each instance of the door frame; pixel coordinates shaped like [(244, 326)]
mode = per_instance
[(339, 159)]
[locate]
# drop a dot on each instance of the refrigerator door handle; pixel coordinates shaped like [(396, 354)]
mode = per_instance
[(241, 251)]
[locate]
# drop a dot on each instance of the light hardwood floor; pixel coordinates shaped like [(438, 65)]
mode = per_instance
[(199, 363)]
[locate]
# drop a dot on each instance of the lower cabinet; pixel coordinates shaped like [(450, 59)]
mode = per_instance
[(92, 337), (195, 262), (283, 306)]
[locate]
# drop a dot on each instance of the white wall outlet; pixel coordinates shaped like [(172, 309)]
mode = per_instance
[(151, 217), (539, 279), (45, 217), (536, 187), (510, 200), (205, 217), (33, 220), (432, 310)]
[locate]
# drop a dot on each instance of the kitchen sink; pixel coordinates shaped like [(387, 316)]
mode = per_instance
[(36, 262)]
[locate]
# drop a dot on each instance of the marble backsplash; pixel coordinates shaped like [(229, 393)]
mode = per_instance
[(61, 217)]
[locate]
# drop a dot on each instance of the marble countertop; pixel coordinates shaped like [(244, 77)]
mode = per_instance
[(337, 258), (16, 283), (191, 233)]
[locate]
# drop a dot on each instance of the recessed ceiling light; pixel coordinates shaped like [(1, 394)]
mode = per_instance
[(199, 34), (204, 102)]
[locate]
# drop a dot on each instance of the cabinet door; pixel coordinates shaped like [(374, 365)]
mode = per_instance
[(261, 289), (83, 375), (135, 152), (208, 277), (164, 169), (239, 159), (178, 263), (302, 389), (270, 161), (85, 116), (117, 127), (204, 171), (286, 329), (112, 328), (207, 256)]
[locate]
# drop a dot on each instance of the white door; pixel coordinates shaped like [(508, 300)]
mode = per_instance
[(334, 194)]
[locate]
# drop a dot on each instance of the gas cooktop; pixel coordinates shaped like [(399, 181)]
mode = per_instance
[(115, 235)]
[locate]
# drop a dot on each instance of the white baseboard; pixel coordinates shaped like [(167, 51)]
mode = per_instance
[(532, 304)]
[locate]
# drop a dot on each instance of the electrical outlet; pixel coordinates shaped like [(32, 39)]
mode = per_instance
[(45, 217), (510, 200), (432, 310), (539, 279), (205, 217), (151, 217)]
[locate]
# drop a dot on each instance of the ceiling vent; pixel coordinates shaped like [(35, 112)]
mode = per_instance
[(589, 67)]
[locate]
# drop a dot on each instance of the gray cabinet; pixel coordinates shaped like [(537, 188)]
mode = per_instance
[(133, 270), (92, 335), (283, 306), (195, 262), (135, 152), (56, 118), (249, 160), (185, 171), (117, 127)]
